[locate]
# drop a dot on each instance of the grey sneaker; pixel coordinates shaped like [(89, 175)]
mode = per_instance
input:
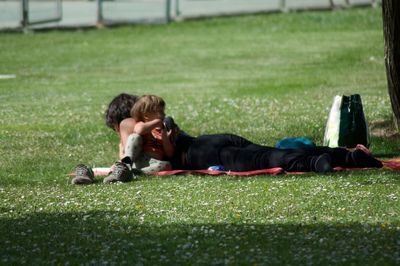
[(136, 173), (83, 175), (122, 173)]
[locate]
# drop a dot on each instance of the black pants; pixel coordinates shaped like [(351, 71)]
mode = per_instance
[(239, 154)]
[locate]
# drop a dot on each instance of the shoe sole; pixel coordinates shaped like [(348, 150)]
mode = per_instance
[(80, 180)]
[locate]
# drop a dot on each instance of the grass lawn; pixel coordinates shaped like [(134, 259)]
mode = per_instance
[(264, 77)]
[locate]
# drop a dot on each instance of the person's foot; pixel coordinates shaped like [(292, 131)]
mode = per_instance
[(321, 163), (83, 175), (361, 159), (122, 173)]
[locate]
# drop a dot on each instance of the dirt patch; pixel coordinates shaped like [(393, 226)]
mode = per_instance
[(383, 128)]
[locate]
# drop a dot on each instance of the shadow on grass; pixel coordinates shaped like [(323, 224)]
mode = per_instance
[(118, 238)]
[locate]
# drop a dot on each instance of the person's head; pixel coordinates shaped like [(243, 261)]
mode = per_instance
[(148, 107), (119, 109)]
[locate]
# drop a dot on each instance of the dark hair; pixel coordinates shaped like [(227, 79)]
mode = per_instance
[(119, 109)]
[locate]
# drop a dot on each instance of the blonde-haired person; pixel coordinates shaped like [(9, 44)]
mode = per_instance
[(151, 145), (118, 118)]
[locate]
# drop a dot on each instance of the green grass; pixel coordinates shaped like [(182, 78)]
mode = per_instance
[(264, 77)]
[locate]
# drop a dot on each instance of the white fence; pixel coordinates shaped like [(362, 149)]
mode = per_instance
[(25, 14)]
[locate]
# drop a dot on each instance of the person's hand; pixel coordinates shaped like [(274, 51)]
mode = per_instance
[(143, 128)]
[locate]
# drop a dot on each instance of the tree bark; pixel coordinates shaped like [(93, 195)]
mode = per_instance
[(391, 30)]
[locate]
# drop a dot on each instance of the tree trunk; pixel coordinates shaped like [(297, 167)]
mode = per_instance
[(391, 30)]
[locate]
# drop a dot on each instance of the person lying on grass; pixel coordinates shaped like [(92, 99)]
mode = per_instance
[(238, 154), (118, 118), (235, 153)]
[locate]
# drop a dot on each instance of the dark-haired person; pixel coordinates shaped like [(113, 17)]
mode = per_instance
[(118, 118), (235, 153)]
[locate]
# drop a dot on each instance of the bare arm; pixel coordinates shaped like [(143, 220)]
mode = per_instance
[(143, 128)]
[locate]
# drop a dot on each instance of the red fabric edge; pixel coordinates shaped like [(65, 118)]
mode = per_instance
[(273, 171), (391, 164)]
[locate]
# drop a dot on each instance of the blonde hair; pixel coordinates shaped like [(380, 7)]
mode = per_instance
[(147, 104)]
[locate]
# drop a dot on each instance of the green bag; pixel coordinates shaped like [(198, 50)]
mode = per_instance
[(346, 126)]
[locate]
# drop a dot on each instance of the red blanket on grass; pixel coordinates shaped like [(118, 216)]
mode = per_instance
[(392, 164)]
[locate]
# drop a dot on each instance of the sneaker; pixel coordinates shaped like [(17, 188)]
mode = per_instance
[(321, 164), (122, 173), (136, 173), (127, 160), (83, 175), (363, 160)]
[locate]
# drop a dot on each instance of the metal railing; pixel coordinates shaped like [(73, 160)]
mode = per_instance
[(53, 14), (78, 13), (188, 9)]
